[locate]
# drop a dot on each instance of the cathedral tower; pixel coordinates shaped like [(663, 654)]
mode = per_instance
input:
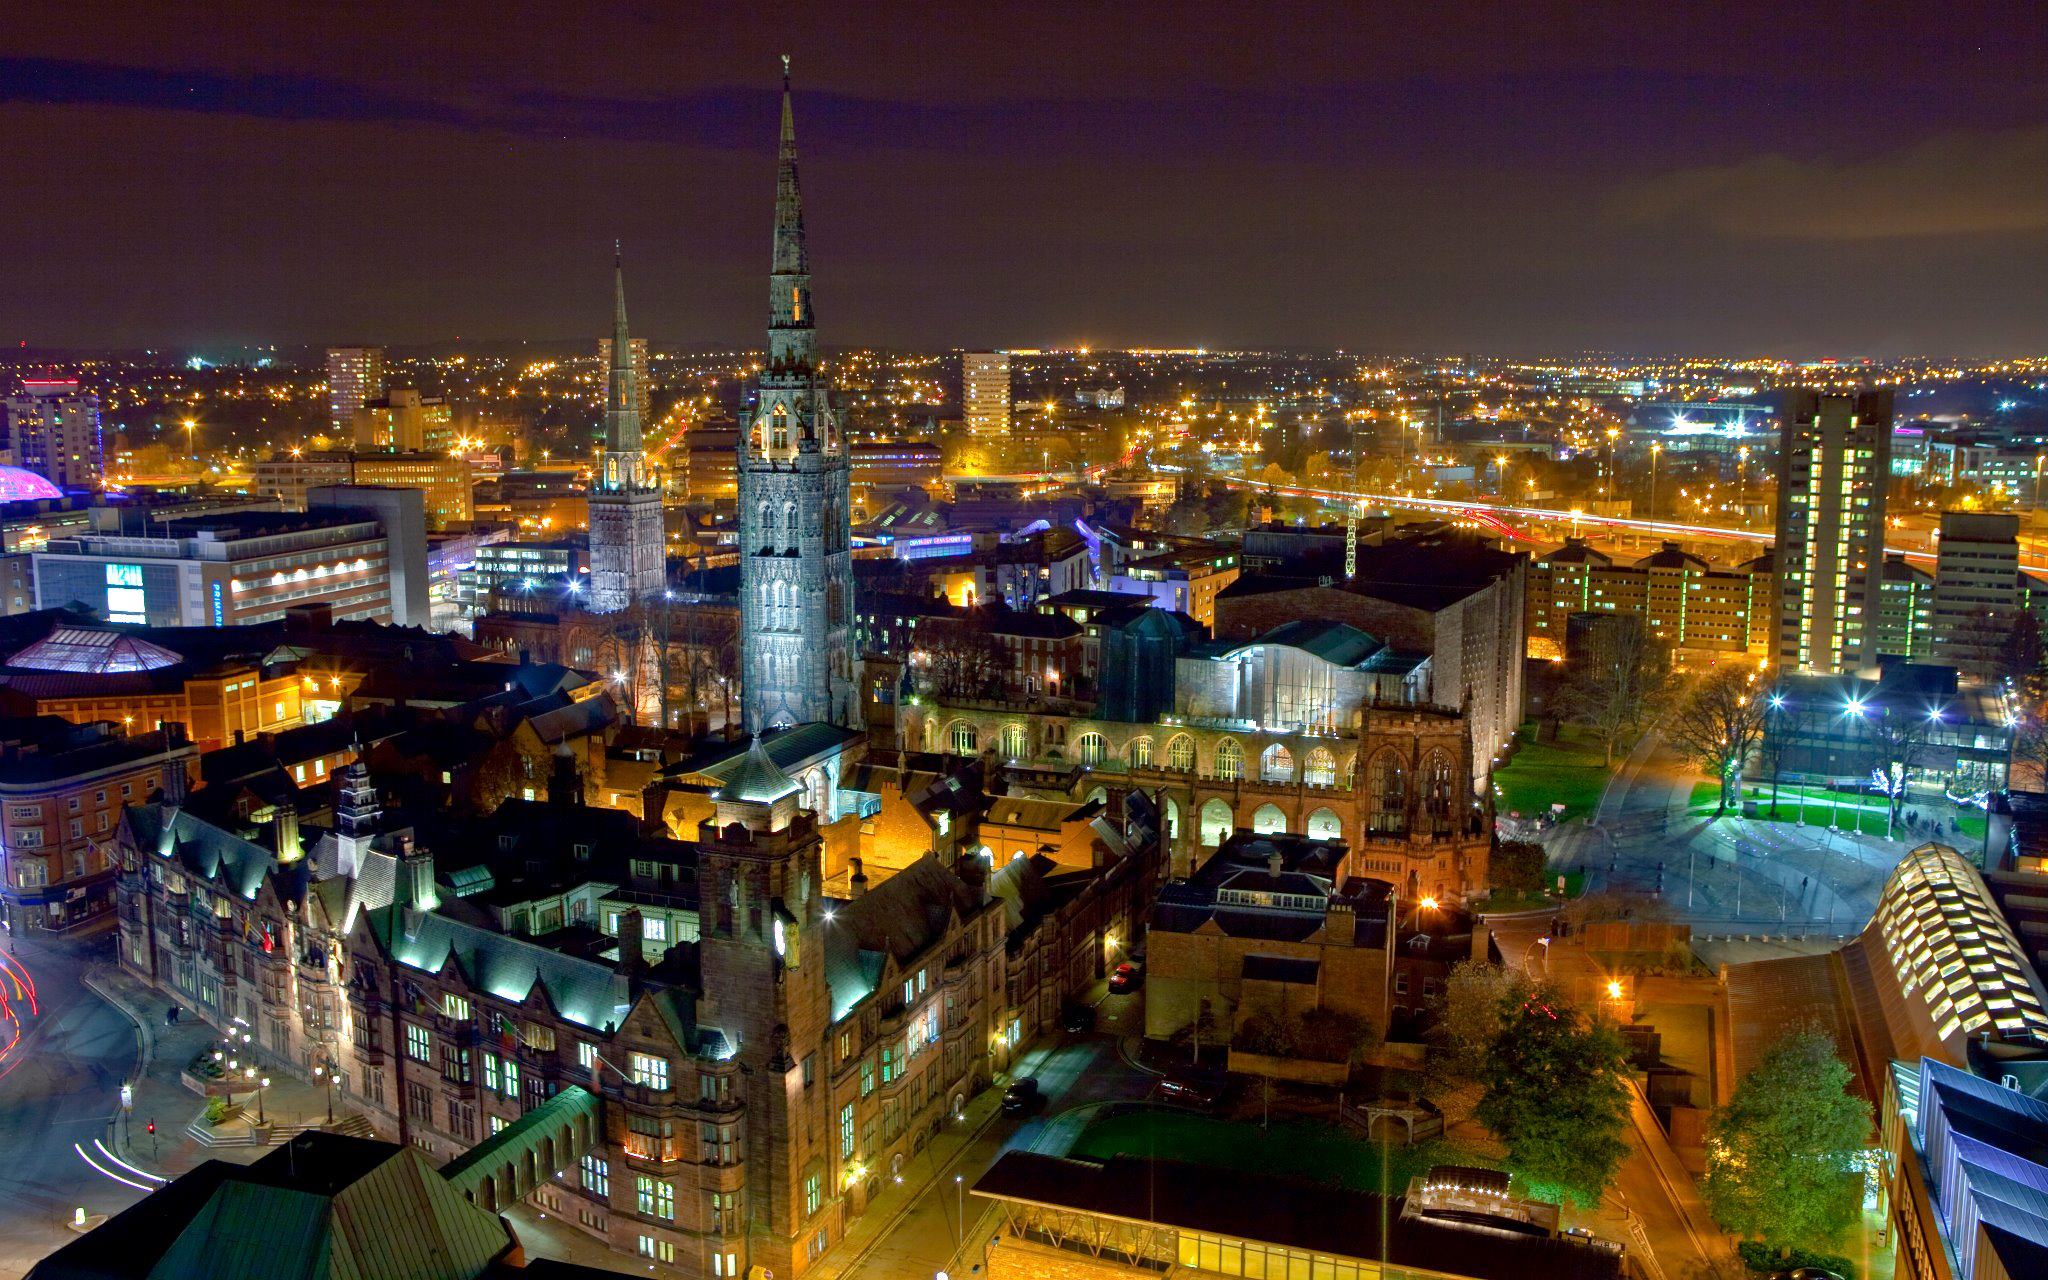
[(626, 548), (796, 556)]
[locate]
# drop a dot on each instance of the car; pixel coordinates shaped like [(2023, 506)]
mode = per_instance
[(1189, 1093), (1022, 1095), (1078, 1018), (1128, 976)]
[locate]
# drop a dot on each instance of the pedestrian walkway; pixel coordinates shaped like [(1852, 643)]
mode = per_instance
[(182, 1140)]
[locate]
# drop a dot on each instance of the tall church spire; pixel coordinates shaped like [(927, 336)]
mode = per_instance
[(626, 547), (798, 662), (623, 390), (790, 325)]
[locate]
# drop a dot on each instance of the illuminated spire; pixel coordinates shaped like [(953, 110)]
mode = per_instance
[(790, 323), (622, 389)]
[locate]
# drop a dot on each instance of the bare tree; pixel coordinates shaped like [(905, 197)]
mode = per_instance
[(1898, 739), (960, 659), (1620, 684), (1719, 724)]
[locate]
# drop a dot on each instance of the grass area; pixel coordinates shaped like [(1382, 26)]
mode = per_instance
[(1571, 771), (1815, 806), (1511, 900), (1317, 1151)]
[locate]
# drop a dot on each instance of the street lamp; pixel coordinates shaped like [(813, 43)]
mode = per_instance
[(324, 1070)]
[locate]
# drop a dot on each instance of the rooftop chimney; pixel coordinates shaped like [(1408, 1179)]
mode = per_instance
[(857, 883)]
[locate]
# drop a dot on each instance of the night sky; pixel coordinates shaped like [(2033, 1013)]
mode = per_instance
[(1767, 179)]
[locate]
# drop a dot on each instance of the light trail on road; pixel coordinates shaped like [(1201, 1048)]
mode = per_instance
[(1493, 511), (19, 988), (101, 1169), (140, 1173)]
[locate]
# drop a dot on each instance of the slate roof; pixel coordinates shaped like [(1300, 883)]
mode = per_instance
[(758, 778), (323, 1205), (585, 992), (1337, 643), (218, 857), (899, 918)]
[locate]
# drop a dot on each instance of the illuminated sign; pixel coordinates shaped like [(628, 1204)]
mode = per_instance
[(125, 602)]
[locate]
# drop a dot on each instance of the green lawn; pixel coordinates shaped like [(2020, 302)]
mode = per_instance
[(1318, 1152), (1571, 771), (1815, 806)]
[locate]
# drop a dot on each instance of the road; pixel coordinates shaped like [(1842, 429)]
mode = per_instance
[(62, 1087)]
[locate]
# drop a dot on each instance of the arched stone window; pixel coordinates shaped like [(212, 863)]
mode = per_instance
[(1139, 753), (779, 427), (1229, 759), (1089, 748), (1388, 789), (1439, 792), (1325, 825), (1169, 813), (1276, 764), (1268, 819), (1180, 753), (965, 740), (1216, 822), (1319, 768), (1014, 742)]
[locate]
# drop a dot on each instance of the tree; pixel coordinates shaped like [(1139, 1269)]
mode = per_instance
[(1782, 1155), (1331, 1035), (1554, 1096), (960, 659), (1516, 866), (1719, 724), (1476, 998), (1898, 738), (1619, 685)]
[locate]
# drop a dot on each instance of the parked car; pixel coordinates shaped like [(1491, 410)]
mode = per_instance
[(1022, 1095), (1078, 1017), (1189, 1093), (1128, 976)]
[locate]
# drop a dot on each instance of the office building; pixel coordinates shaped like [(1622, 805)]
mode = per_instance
[(1905, 611), (985, 394), (1834, 461), (355, 377), (62, 789), (1976, 590), (1703, 612), (641, 377), (1833, 730), (224, 570), (713, 461), (882, 465), (797, 660), (541, 570), (401, 517), (53, 431), (447, 480), (628, 553), (405, 421)]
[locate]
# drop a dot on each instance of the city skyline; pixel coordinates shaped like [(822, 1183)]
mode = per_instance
[(1872, 186)]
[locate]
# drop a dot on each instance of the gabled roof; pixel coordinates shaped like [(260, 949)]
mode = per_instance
[(585, 992), (321, 1206)]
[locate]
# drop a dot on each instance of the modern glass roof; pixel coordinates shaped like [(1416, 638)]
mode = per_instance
[(96, 652), (1954, 952)]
